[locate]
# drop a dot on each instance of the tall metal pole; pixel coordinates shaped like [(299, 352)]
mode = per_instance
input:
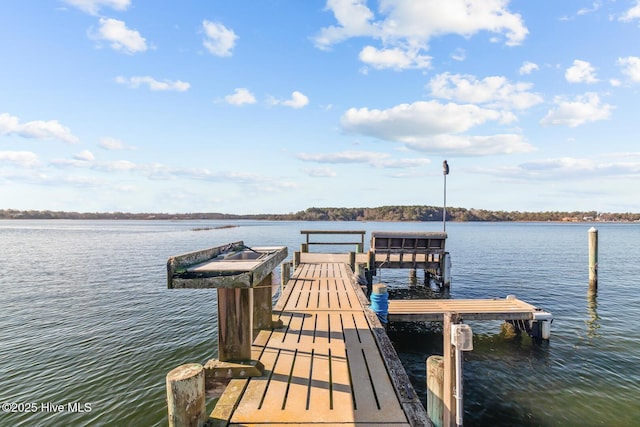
[(445, 172)]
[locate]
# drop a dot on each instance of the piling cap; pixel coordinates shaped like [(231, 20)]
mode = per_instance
[(593, 230)]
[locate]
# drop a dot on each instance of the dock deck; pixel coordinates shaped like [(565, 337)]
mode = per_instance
[(330, 363), (433, 310)]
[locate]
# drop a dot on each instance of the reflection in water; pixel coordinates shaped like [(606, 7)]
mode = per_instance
[(593, 324)]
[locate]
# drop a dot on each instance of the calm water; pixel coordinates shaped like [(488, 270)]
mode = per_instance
[(88, 329)]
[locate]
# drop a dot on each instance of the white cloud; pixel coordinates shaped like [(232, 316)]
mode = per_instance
[(321, 172), (395, 58), (219, 40), (353, 17), (528, 67), (153, 84), (37, 129), (494, 91), (630, 67), (380, 160), (92, 7), (594, 7), (631, 14), (240, 96), (297, 100), (468, 145), (120, 37), (570, 168), (459, 55), (85, 156), (431, 127), (581, 72), (407, 25), (25, 159), (582, 109), (406, 122), (110, 144)]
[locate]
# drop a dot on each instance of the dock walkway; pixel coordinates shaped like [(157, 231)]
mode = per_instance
[(330, 362)]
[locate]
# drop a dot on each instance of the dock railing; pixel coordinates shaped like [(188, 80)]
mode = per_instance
[(359, 244)]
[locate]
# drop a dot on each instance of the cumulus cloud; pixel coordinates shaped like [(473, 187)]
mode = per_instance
[(394, 58), (240, 96), (153, 84), (37, 129), (25, 159), (406, 122), (630, 67), (632, 13), (528, 67), (581, 72), (121, 38), (434, 127), (582, 109), (219, 40), (93, 7), (494, 91), (297, 100), (405, 27)]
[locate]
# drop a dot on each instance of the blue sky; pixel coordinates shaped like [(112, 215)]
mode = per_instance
[(274, 106)]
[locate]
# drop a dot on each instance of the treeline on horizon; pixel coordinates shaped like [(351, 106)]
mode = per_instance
[(382, 213)]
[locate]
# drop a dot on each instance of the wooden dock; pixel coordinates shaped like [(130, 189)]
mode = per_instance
[(321, 356), (330, 363), (433, 310)]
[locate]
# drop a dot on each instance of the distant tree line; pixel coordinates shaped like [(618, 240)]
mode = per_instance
[(382, 213)]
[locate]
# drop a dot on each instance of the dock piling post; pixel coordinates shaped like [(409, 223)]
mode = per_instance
[(593, 258), (262, 305), (435, 389), (186, 396), (449, 401), (286, 274)]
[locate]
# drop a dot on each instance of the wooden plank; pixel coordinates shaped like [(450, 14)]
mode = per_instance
[(480, 309)]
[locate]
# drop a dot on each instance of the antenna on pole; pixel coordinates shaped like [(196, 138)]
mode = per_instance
[(445, 172)]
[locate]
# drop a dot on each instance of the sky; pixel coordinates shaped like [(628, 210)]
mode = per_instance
[(275, 106)]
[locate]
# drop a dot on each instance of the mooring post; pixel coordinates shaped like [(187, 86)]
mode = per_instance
[(435, 389), (593, 257), (186, 396)]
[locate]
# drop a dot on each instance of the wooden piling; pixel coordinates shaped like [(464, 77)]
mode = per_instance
[(435, 389), (593, 258), (235, 333), (449, 401), (286, 274), (186, 396), (262, 305)]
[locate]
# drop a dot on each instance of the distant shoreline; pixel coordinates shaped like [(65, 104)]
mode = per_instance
[(413, 213)]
